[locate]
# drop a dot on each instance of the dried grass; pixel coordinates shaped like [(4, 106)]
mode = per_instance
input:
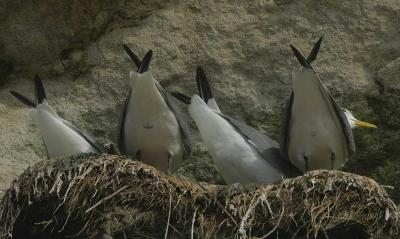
[(109, 196)]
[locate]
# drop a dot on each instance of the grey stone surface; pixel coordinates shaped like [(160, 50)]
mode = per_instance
[(389, 76), (243, 46)]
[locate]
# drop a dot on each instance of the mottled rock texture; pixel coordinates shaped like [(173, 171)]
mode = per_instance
[(243, 46)]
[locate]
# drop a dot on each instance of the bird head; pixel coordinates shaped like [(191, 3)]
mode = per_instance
[(354, 122)]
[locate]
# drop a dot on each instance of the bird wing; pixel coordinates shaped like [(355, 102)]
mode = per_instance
[(345, 126), (45, 147), (285, 126), (267, 147), (100, 148), (344, 123), (121, 125), (184, 129)]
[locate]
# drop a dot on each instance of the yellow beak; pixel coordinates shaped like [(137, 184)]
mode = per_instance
[(360, 123)]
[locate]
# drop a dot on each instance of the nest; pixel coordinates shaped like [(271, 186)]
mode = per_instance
[(111, 196)]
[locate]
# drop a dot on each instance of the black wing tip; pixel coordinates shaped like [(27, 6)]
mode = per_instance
[(149, 54), (301, 59), (23, 99), (203, 85), (199, 72), (314, 52), (40, 92), (14, 93), (181, 97), (145, 64), (132, 55), (126, 47), (199, 69)]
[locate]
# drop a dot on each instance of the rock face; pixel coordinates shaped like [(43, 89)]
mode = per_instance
[(243, 46)]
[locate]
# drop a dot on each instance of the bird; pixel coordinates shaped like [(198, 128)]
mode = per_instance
[(317, 134), (152, 128), (60, 137), (241, 153)]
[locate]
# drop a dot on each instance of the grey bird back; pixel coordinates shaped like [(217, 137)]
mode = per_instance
[(184, 129), (267, 147)]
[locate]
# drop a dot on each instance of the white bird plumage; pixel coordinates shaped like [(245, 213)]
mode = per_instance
[(60, 137), (236, 157), (317, 140), (317, 133), (152, 129)]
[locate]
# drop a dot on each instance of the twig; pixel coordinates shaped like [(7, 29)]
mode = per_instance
[(106, 198), (177, 231), (193, 220), (390, 187), (169, 214), (277, 223), (78, 233), (66, 221), (265, 199), (227, 213), (251, 208), (326, 235)]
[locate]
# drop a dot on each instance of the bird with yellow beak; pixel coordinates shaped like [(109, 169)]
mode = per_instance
[(317, 133)]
